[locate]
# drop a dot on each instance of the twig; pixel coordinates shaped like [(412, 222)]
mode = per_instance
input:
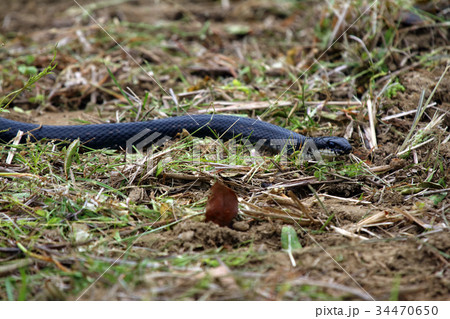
[(347, 199), (415, 147), (346, 233), (373, 134), (401, 114)]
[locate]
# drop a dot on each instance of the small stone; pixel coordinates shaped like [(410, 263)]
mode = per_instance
[(241, 226), (135, 195), (187, 235)]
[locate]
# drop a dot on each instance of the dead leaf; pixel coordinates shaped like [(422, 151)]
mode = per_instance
[(222, 205)]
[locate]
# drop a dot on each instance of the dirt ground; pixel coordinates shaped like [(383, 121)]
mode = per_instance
[(392, 257)]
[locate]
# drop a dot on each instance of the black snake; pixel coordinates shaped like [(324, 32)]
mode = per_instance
[(124, 135)]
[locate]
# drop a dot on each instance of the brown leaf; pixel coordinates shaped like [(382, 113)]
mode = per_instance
[(222, 205)]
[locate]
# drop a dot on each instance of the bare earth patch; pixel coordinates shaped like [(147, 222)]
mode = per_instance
[(373, 224)]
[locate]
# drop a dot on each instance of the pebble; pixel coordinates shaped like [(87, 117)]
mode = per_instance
[(241, 226)]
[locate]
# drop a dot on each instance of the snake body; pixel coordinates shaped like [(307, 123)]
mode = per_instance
[(116, 135)]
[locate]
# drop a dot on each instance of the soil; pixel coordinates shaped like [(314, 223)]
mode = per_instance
[(400, 257)]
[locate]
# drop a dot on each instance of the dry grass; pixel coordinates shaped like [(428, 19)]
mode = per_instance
[(98, 224)]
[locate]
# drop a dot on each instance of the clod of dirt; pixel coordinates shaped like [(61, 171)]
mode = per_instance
[(193, 235), (196, 235)]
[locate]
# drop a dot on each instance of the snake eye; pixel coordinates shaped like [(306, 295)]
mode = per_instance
[(335, 147)]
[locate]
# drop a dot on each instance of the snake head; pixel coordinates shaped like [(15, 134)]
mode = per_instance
[(337, 145)]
